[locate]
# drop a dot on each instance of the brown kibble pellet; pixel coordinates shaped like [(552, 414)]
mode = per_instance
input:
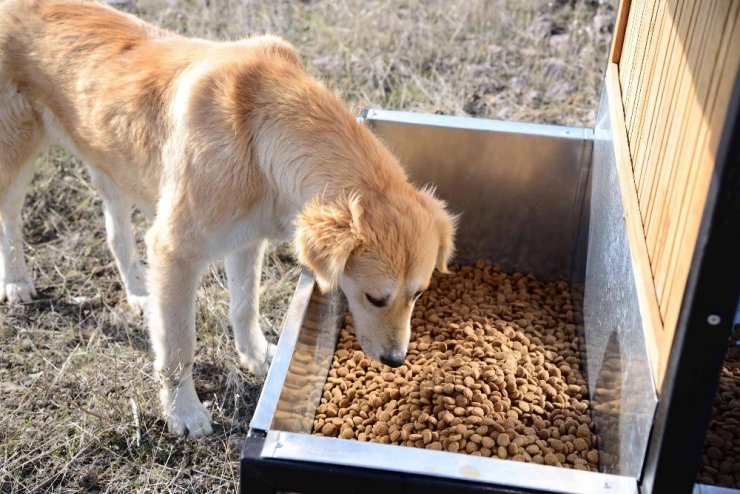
[(426, 436), (487, 442), (492, 370), (580, 444), (557, 445), (593, 457), (532, 449), (551, 459)]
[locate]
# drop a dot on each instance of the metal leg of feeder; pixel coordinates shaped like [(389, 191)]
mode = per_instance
[(251, 480)]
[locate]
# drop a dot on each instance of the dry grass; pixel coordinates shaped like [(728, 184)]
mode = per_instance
[(77, 400)]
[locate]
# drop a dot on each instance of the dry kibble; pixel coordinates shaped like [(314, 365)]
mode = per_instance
[(492, 370), (328, 429), (720, 463), (551, 459), (580, 444), (593, 457), (426, 436)]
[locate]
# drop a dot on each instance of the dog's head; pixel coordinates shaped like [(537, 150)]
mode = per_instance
[(381, 250)]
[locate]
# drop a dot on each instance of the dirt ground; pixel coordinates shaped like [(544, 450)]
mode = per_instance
[(78, 409)]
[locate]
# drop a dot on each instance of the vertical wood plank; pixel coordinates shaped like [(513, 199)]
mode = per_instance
[(620, 26)]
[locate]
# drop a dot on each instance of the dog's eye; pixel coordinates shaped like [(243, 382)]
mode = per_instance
[(377, 302)]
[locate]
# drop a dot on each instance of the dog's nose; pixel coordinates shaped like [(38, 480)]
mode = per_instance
[(395, 359)]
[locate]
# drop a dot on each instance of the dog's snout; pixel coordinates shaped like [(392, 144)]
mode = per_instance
[(394, 359)]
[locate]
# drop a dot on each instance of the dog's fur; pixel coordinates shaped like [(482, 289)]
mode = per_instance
[(225, 146)]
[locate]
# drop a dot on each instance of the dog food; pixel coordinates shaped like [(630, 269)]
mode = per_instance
[(720, 464), (493, 369)]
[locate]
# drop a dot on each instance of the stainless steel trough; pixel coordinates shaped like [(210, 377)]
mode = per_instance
[(536, 198)]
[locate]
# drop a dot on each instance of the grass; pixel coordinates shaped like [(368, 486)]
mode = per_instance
[(77, 398)]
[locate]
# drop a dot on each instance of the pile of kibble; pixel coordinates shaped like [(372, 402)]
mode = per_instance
[(720, 464), (493, 369)]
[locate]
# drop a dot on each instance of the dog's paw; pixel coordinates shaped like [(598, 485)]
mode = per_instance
[(186, 414), (17, 291), (260, 363), (138, 303)]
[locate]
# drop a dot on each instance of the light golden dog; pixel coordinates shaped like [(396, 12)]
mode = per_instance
[(225, 146)]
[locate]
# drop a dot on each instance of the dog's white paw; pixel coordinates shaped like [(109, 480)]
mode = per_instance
[(185, 414), (138, 303), (17, 291), (258, 362)]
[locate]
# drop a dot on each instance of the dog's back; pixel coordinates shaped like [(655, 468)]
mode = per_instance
[(102, 83)]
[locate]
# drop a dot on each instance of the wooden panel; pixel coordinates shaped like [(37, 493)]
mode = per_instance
[(678, 61)]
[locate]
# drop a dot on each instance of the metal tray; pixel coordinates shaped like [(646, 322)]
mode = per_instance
[(535, 198)]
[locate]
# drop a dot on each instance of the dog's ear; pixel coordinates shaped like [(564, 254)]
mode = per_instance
[(326, 235), (446, 225)]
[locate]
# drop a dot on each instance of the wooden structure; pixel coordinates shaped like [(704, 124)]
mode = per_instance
[(671, 73)]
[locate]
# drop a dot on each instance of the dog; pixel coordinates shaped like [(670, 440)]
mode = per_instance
[(225, 146)]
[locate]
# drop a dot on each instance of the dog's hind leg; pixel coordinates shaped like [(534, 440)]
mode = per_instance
[(20, 136), (117, 212), (243, 272), (173, 276)]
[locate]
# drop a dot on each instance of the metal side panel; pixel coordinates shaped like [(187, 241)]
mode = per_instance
[(518, 186), (623, 395), (265, 410), (537, 478)]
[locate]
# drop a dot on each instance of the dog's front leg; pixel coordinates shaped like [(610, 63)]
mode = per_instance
[(243, 272), (15, 283), (173, 279)]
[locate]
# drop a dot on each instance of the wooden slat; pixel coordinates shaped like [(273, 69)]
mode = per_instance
[(645, 65), (650, 78), (636, 34), (620, 26), (654, 132)]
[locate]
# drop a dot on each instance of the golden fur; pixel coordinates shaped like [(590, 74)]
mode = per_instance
[(226, 146)]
